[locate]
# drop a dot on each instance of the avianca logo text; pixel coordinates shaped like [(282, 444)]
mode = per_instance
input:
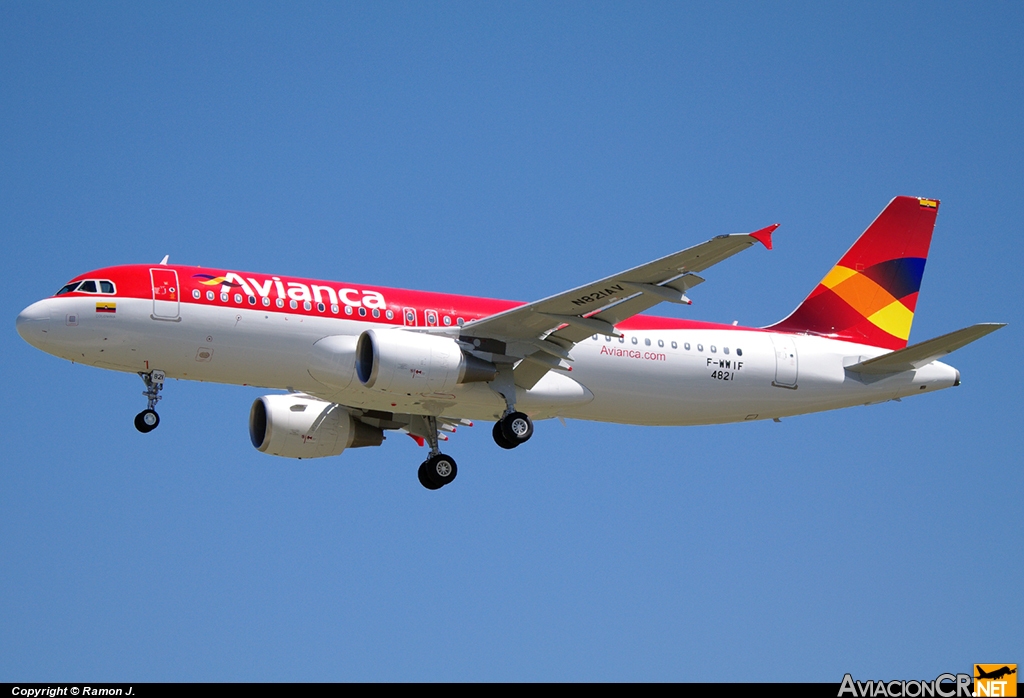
[(632, 353), (296, 291)]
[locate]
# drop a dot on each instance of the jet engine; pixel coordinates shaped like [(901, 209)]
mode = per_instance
[(400, 361), (299, 426), (332, 361)]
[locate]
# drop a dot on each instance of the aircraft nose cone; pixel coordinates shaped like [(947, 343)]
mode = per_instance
[(34, 322)]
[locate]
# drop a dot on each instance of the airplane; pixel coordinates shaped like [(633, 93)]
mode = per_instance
[(995, 674), (358, 360)]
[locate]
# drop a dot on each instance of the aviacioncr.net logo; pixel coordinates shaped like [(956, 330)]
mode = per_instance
[(943, 686)]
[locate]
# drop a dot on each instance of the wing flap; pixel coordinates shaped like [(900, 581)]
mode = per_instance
[(924, 353)]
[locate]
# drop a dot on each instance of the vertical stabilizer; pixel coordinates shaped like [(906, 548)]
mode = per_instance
[(869, 296)]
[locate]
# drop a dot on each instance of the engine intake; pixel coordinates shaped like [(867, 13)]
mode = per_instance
[(298, 426), (400, 361)]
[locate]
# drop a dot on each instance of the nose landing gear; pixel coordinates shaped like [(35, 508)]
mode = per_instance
[(148, 420)]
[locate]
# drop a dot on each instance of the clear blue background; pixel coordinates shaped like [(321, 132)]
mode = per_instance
[(510, 150)]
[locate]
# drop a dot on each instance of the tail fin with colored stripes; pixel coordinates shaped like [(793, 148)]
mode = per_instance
[(869, 296)]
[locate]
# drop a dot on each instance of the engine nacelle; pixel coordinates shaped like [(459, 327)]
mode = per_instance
[(400, 361), (333, 361), (298, 426)]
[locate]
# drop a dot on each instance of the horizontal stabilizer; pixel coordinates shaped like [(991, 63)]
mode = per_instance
[(924, 353)]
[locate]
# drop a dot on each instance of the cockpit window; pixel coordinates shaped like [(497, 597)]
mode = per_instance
[(89, 286)]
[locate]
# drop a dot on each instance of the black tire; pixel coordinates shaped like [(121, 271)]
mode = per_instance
[(146, 421), (424, 480), (441, 469), (517, 428), (499, 438)]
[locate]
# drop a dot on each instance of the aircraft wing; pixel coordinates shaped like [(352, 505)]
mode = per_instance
[(542, 332)]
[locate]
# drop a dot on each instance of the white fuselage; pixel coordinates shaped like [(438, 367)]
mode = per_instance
[(655, 377)]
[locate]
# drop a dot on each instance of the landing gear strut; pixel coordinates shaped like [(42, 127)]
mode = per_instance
[(148, 420), (438, 469), (514, 428)]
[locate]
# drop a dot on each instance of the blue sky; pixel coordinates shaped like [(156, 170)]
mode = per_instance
[(510, 150)]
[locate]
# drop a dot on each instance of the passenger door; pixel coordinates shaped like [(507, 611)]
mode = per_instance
[(166, 305), (786, 361)]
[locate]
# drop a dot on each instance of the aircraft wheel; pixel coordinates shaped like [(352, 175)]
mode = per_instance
[(424, 480), (440, 470), (499, 438), (516, 428), (146, 421)]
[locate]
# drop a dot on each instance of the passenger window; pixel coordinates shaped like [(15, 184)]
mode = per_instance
[(447, 320), (307, 305), (675, 346), (390, 315), (293, 304), (621, 340), (321, 307), (334, 309), (460, 322), (686, 346), (700, 347), (87, 287), (348, 309), (376, 313), (725, 350), (238, 298), (210, 295), (647, 341), (223, 298), (594, 338), (362, 312), (713, 349), (266, 302), (739, 352), (280, 302), (106, 287), (196, 294), (661, 342), (634, 340), (252, 300)]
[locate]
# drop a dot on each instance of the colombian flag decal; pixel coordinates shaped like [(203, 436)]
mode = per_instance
[(105, 307)]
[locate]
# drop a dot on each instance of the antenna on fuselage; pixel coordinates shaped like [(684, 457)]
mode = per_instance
[(164, 260)]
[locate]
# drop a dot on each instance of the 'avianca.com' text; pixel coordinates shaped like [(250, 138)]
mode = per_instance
[(632, 353)]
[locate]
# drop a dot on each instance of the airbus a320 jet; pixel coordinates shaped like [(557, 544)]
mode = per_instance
[(358, 361)]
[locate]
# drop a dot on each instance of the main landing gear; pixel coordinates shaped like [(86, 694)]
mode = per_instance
[(438, 469), (513, 429), (148, 420)]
